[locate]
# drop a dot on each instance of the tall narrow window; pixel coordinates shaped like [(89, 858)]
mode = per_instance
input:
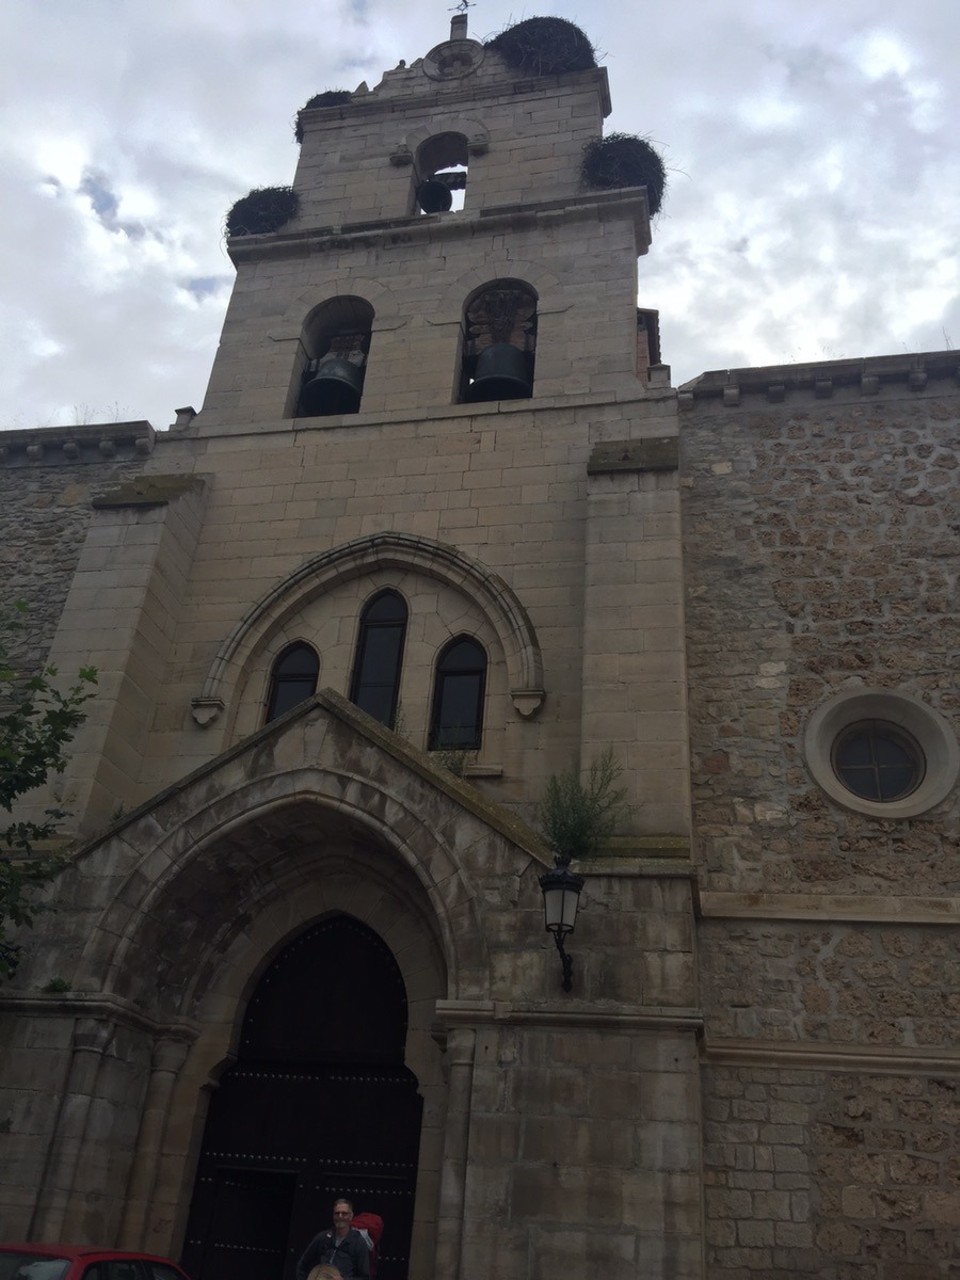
[(457, 721), (375, 686), (499, 343), (293, 679)]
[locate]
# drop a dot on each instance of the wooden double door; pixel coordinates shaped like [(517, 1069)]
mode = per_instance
[(318, 1106)]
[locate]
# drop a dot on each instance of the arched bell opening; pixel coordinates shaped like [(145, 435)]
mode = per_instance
[(335, 344), (440, 173), (499, 343), (318, 1104)]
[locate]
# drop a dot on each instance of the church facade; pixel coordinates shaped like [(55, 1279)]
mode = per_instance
[(443, 529)]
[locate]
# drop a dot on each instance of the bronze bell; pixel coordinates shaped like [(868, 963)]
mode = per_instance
[(502, 373), (332, 385), (434, 197)]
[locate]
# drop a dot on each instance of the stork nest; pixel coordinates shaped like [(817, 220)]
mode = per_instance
[(544, 47), (329, 98), (624, 160), (265, 209)]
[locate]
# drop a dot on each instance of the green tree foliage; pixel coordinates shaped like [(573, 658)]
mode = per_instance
[(575, 817), (37, 722)]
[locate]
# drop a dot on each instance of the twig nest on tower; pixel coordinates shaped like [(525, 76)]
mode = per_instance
[(544, 47), (329, 98), (265, 209), (624, 160)]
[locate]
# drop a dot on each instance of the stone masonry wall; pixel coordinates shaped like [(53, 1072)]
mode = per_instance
[(821, 544), (869, 985), (44, 514), (831, 1174)]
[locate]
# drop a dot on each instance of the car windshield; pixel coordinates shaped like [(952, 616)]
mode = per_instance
[(31, 1266)]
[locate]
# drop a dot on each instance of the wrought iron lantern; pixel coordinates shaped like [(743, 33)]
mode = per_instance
[(561, 897)]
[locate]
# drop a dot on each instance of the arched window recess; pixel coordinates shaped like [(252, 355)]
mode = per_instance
[(499, 343), (293, 679), (336, 343), (440, 173), (375, 685), (456, 722)]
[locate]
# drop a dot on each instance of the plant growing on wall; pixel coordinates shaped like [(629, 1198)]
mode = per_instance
[(37, 722), (574, 816)]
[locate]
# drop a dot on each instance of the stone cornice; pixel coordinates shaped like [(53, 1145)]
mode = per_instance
[(443, 95), (597, 206), (807, 1055), (936, 372), (475, 1013), (100, 1005), (95, 442), (828, 908)]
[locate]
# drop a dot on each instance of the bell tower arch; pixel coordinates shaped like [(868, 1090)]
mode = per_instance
[(378, 194)]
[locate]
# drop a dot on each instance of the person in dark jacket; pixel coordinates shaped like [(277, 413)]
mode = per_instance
[(339, 1245)]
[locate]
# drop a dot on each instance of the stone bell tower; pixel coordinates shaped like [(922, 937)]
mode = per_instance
[(506, 329), (434, 484)]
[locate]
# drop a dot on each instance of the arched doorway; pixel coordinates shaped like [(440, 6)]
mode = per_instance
[(318, 1105)]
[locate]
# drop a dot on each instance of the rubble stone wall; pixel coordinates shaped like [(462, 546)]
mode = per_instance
[(821, 545)]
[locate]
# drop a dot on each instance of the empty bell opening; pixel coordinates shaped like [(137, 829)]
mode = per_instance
[(434, 197), (502, 373), (331, 385)]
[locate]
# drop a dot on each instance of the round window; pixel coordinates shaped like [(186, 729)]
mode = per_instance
[(882, 752), (877, 761)]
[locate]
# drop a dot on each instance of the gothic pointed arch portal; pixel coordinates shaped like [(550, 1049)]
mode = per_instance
[(317, 1105)]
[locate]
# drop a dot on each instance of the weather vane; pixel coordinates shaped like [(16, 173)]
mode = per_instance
[(463, 6)]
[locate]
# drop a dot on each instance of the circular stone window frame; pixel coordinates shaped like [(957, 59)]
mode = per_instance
[(932, 732)]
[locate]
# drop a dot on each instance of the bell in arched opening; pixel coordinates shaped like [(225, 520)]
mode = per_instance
[(335, 343), (500, 334), (503, 372), (434, 196), (332, 384)]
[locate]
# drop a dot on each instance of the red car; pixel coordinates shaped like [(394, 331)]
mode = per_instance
[(82, 1262)]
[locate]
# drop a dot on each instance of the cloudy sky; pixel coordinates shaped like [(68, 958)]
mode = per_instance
[(812, 211)]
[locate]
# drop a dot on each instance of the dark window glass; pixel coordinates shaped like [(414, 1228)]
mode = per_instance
[(293, 679), (121, 1269), (160, 1271), (457, 721), (375, 687), (31, 1266), (878, 761)]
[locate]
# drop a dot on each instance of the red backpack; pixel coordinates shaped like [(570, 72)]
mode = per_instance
[(370, 1226)]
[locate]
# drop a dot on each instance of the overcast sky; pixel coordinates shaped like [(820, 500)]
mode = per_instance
[(812, 211)]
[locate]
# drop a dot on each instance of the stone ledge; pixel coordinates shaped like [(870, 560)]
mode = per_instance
[(148, 491), (100, 1005), (870, 376), (220, 426), (661, 845), (807, 1055), (94, 443), (669, 868), (389, 97), (829, 908), (484, 1012), (628, 202)]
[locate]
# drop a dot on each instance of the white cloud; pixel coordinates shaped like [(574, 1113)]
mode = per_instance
[(811, 211)]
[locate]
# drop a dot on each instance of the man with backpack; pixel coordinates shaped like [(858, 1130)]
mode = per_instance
[(340, 1246)]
